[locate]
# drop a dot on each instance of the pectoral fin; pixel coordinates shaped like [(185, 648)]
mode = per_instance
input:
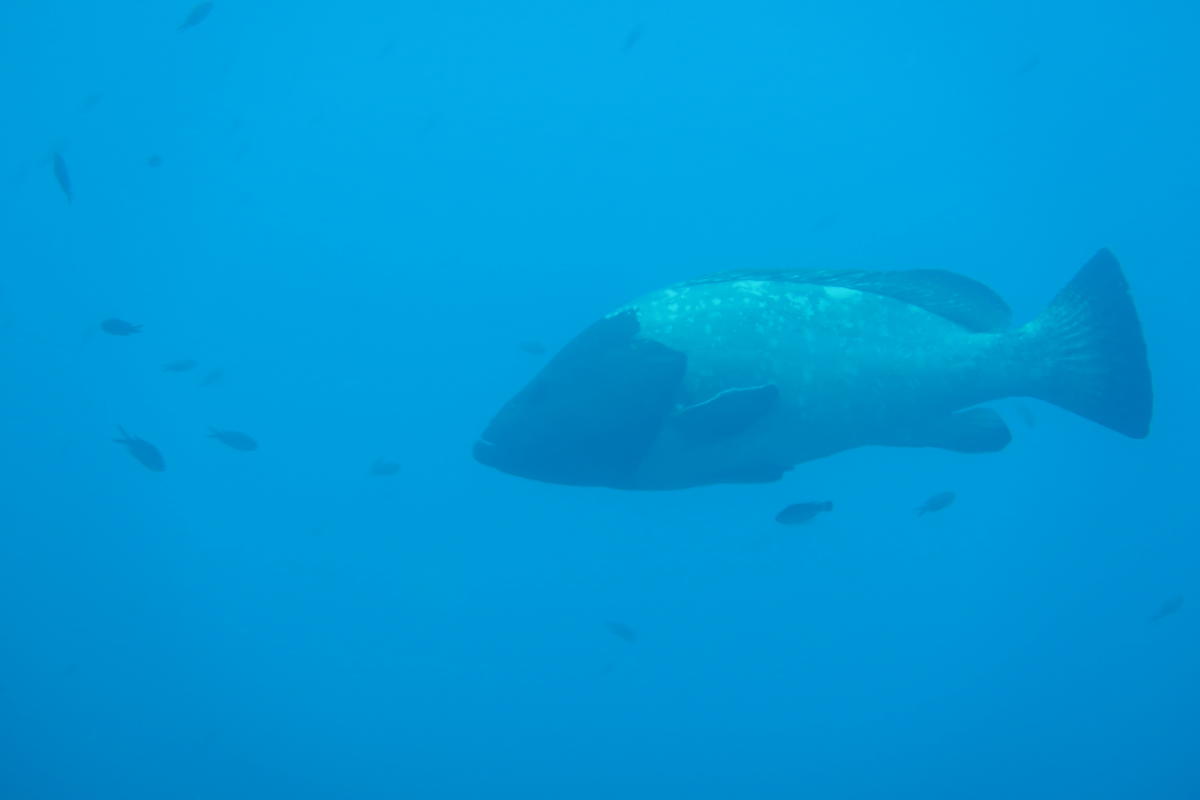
[(977, 430), (727, 413)]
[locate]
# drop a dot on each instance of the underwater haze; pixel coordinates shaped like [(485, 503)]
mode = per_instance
[(272, 267)]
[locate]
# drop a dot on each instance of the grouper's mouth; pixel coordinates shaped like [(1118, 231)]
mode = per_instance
[(516, 461), (485, 452)]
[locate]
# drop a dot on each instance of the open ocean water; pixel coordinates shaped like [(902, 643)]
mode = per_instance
[(301, 253)]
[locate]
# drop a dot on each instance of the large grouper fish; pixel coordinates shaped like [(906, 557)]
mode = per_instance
[(739, 376)]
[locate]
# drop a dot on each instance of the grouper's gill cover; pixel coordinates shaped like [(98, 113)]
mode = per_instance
[(589, 417)]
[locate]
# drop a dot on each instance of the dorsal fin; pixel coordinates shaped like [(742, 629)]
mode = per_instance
[(956, 297)]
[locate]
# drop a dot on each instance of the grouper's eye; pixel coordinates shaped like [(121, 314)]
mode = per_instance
[(590, 416)]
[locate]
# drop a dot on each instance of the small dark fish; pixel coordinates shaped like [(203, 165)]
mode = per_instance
[(235, 439), (938, 502), (119, 327), (63, 177), (800, 513), (146, 454), (621, 631), (1169, 607), (197, 15), (382, 467), (182, 365), (534, 348), (214, 375), (632, 38), (1029, 64), (154, 161)]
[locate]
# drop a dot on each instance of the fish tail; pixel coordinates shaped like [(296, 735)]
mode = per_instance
[(1086, 351)]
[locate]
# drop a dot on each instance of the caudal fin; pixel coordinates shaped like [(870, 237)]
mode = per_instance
[(1088, 353)]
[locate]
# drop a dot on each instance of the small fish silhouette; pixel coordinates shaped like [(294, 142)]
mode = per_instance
[(1029, 64), (631, 39), (800, 513), (235, 439), (621, 631), (1170, 606), (196, 16), (382, 467), (147, 454), (214, 375), (119, 327), (182, 365), (63, 176), (154, 161), (937, 502)]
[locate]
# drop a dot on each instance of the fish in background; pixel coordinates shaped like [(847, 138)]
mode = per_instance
[(631, 39), (739, 376), (63, 176), (146, 454), (181, 365), (800, 513), (532, 347), (236, 440), (381, 467), (154, 161), (1029, 64), (621, 631), (119, 327), (214, 375), (197, 15), (937, 502), (1170, 606)]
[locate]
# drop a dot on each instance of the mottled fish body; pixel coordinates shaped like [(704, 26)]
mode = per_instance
[(737, 377)]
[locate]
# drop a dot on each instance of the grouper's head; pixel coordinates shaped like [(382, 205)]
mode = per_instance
[(592, 414)]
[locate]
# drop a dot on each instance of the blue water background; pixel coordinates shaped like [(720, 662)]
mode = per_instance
[(363, 208)]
